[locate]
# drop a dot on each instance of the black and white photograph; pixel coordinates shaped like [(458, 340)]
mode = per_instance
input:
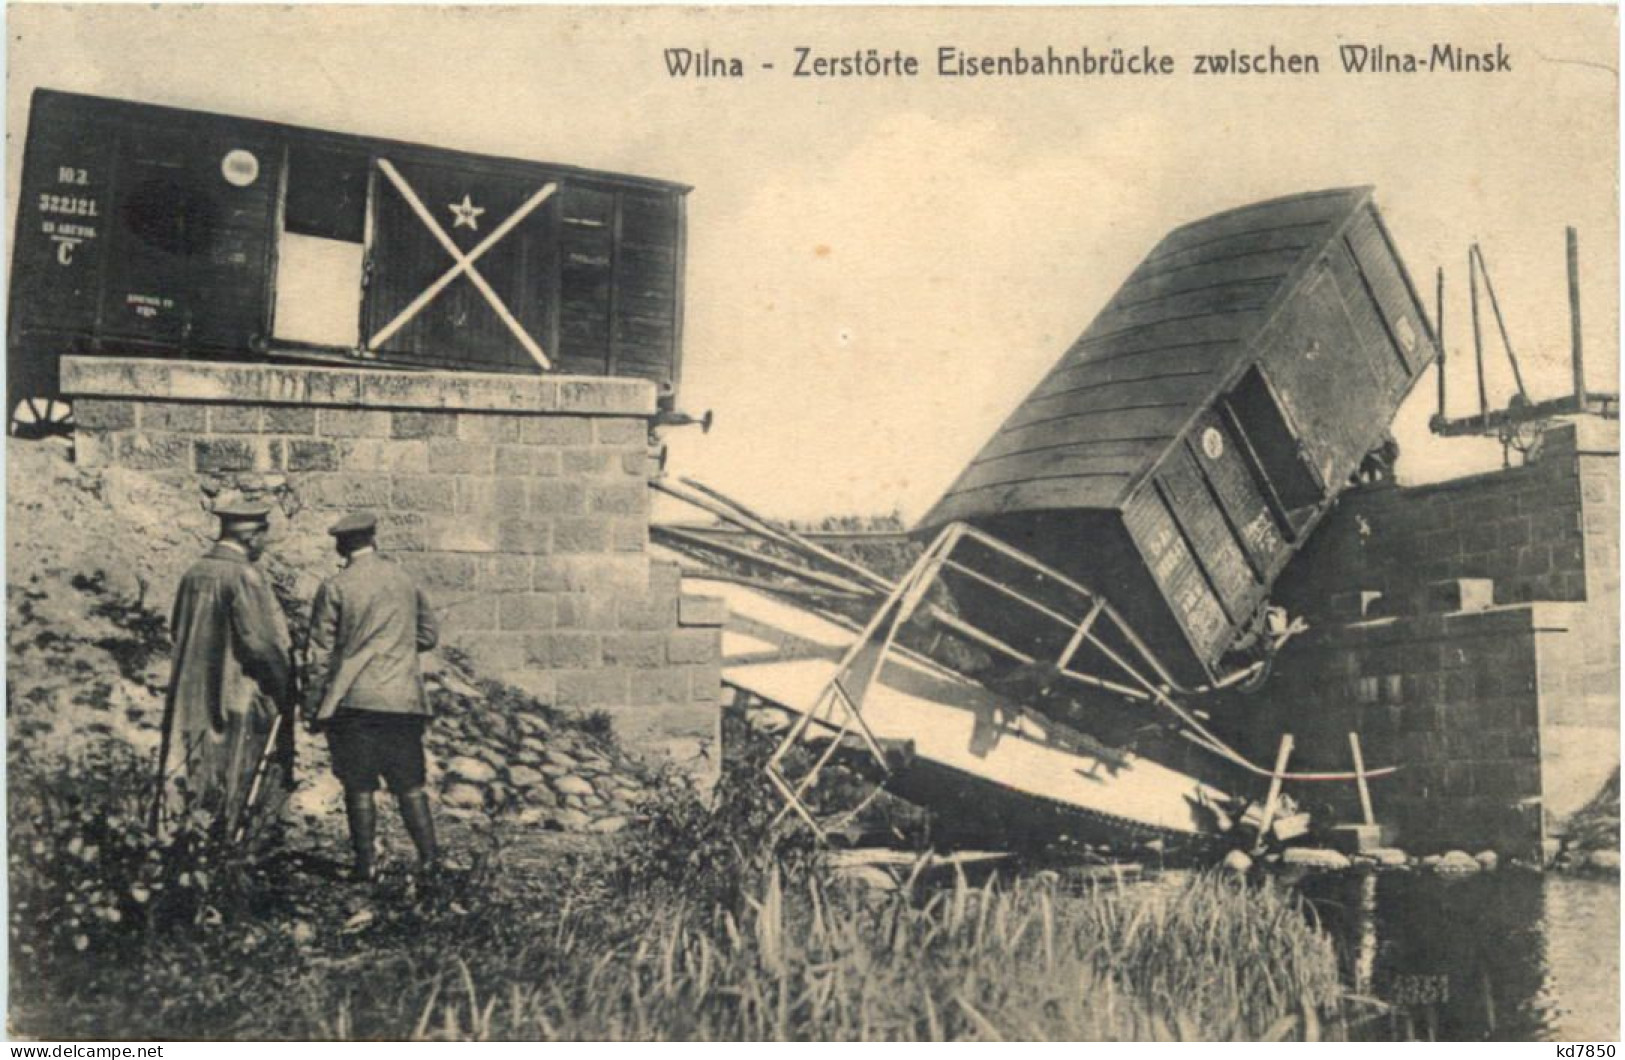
[(818, 524)]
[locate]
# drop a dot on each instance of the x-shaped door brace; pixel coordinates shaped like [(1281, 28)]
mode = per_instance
[(463, 264)]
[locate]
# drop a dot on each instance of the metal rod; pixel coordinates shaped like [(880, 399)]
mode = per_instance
[(1268, 819), (1495, 307), (1576, 353), (1478, 338), (755, 526), (1359, 779), (827, 581), (858, 571), (1439, 325)]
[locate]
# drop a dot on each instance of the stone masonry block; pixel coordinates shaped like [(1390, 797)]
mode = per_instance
[(504, 574), (607, 574), (104, 415), (694, 646), (225, 454), (639, 463), (345, 491), (440, 572), (585, 533), (424, 493), (556, 430), (389, 456), (403, 531), (457, 533), (556, 497), (526, 610), (281, 419), (638, 651), (528, 460), (498, 652), (626, 498), (93, 448), (621, 431), (312, 454), (704, 684), (451, 456), (693, 610), (352, 423), (488, 427), (629, 534), (524, 532), (591, 688), (1458, 594), (660, 686), (487, 498), (422, 425), (641, 613), (168, 416), (606, 395), (235, 419), (585, 461), (153, 452), (585, 611), (467, 613)]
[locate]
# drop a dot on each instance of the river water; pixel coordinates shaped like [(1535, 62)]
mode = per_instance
[(1510, 955)]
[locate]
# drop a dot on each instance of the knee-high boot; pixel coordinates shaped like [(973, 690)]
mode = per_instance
[(419, 821), (362, 813)]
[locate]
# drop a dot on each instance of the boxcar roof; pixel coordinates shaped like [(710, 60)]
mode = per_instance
[(139, 112), (1157, 353)]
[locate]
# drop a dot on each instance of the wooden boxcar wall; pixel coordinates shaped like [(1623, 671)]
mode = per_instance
[(1214, 409), (153, 229), (1256, 468)]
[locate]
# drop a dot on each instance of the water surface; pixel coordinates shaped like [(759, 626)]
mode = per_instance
[(1507, 955)]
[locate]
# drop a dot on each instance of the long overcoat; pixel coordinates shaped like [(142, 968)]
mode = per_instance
[(230, 678)]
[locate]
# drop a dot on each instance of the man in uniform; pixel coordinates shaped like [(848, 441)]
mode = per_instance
[(231, 675), (367, 626)]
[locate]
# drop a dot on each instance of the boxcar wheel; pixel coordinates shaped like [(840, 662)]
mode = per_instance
[(41, 417)]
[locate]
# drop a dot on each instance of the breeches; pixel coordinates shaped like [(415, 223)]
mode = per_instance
[(367, 745)]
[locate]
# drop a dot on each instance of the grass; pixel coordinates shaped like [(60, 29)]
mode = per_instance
[(739, 940)]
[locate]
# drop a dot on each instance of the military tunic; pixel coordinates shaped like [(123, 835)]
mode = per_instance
[(230, 677)]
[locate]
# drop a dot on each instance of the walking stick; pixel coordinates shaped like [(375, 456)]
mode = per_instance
[(259, 777)]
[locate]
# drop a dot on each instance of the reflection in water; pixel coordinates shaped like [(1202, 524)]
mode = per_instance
[(1507, 955)]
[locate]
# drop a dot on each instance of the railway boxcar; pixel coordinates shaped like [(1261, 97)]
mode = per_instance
[(1182, 449), (147, 229)]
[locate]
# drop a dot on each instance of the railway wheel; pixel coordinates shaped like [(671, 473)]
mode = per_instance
[(41, 417)]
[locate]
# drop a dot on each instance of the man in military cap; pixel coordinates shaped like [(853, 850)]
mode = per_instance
[(231, 674), (367, 626)]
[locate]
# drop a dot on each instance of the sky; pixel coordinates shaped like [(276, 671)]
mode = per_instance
[(880, 269)]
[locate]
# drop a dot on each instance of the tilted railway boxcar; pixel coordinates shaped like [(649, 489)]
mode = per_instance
[(1180, 451), (164, 231)]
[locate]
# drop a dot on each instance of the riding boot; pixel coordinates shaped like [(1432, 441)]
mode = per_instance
[(419, 823), (363, 817)]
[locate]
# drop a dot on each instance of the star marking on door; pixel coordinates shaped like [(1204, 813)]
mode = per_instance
[(466, 213)]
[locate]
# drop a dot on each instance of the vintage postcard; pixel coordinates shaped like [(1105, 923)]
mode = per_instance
[(812, 523)]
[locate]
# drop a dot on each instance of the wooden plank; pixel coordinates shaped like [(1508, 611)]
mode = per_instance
[(1172, 566), (1181, 389), (1320, 207), (1297, 240), (1217, 300), (1049, 464), (1213, 541), (1100, 425), (1171, 276), (1239, 494), (1165, 334), (1190, 360), (1030, 494)]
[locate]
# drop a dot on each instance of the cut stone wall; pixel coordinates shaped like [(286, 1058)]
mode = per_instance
[(1469, 630), (520, 502)]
